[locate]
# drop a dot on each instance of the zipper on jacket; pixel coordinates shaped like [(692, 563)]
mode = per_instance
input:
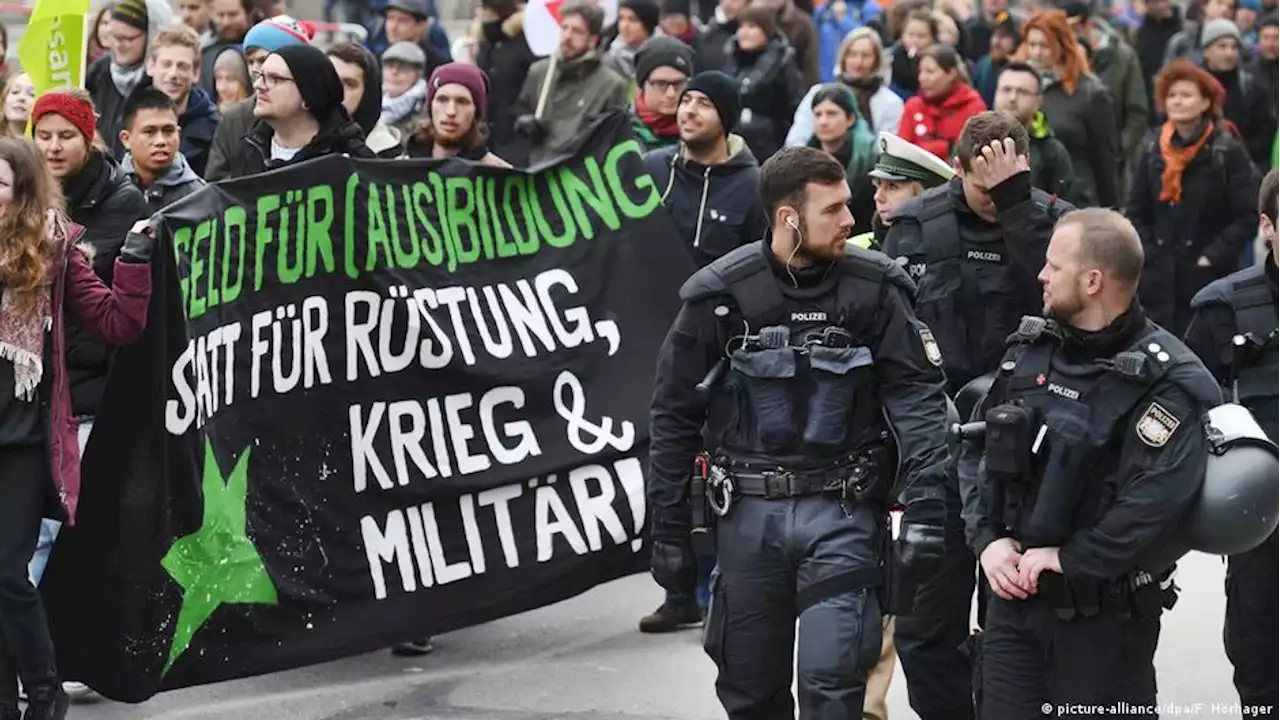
[(702, 205)]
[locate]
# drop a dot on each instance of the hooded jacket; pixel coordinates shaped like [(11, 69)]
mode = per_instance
[(935, 123), (769, 85), (107, 100), (103, 200), (1117, 65), (504, 55), (716, 208), (179, 182), (211, 46), (582, 89), (236, 122), (385, 141), (338, 134)]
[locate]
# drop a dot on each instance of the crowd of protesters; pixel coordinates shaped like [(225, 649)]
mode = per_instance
[(1167, 113)]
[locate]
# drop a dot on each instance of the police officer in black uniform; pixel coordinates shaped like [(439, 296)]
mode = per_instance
[(824, 398), (1093, 453), (1233, 329), (974, 246)]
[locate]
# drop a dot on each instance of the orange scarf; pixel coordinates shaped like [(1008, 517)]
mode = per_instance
[(1176, 160)]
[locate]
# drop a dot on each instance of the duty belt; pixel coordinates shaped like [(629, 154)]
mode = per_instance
[(781, 484)]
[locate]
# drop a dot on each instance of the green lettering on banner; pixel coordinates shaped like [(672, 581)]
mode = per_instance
[(442, 213), (235, 218), (595, 195), (567, 236), (198, 301), (651, 198), (460, 216), (377, 234), (319, 218), (526, 241), (181, 248), (407, 255), (432, 245), (263, 236), (288, 272), (349, 228), (483, 212)]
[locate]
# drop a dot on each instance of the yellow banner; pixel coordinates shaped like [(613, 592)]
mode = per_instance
[(52, 48)]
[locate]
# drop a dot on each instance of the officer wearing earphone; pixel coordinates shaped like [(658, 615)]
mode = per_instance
[(824, 399)]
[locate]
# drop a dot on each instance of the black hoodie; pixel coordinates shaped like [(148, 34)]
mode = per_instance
[(371, 101)]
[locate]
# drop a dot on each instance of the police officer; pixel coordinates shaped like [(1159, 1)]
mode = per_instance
[(1093, 452), (902, 172), (831, 391), (1233, 330), (974, 246)]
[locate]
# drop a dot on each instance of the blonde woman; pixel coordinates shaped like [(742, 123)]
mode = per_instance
[(859, 66), (17, 97)]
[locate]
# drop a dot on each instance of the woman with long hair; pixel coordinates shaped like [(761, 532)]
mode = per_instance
[(44, 273), (16, 100), (840, 131), (1193, 195), (859, 67), (1079, 108), (934, 117), (100, 39)]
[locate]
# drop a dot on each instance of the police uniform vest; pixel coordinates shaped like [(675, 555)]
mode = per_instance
[(799, 392), (967, 289), (1053, 472), (1253, 358)]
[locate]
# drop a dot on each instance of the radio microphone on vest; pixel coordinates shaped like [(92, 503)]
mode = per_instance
[(774, 337)]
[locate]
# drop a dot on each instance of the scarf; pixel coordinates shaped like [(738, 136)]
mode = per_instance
[(1176, 160), (863, 89), (22, 334), (126, 78), (396, 109), (664, 126)]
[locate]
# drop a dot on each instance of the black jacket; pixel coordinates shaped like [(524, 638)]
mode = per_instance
[(504, 55), (713, 48), (973, 299), (198, 122), (338, 134), (108, 103), (1085, 122), (235, 124), (716, 208), (769, 87), (1217, 216), (1250, 107), (102, 199), (1150, 41)]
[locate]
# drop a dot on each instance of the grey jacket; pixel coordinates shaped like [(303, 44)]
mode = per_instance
[(168, 189), (236, 123), (582, 89)]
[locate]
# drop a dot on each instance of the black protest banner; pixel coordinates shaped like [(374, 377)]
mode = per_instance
[(375, 400)]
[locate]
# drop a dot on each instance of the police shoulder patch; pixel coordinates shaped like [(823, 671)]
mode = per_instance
[(1156, 425), (931, 350)]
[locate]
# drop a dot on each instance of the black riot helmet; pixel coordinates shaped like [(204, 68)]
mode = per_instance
[(969, 396), (1236, 507)]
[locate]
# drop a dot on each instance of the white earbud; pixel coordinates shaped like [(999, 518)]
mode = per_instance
[(792, 222)]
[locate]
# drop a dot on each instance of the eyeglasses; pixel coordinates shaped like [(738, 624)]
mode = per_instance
[(269, 80), (663, 86)]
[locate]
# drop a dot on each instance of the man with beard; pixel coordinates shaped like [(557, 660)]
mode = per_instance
[(797, 543), (663, 67), (455, 125), (153, 160), (581, 88)]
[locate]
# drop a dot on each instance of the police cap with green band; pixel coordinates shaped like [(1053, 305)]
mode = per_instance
[(899, 160)]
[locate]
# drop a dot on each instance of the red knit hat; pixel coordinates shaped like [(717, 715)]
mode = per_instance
[(76, 111)]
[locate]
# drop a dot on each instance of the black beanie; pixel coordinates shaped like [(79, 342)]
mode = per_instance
[(722, 91), (662, 51), (647, 11), (317, 81)]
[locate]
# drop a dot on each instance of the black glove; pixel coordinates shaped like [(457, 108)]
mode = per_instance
[(139, 244), (532, 128), (919, 550), (672, 560)]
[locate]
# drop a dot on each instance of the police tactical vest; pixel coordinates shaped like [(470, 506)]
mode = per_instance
[(1081, 416), (799, 391), (1258, 377)]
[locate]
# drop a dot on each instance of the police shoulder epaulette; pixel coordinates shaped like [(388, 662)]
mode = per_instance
[(714, 278)]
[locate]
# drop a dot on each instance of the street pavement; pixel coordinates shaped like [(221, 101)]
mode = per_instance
[(584, 660)]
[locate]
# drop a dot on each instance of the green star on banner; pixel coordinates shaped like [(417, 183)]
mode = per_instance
[(218, 563)]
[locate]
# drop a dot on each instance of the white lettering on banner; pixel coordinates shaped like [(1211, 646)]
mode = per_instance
[(581, 520)]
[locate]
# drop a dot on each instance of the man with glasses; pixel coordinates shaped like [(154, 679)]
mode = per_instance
[(1018, 93), (663, 67), (298, 103)]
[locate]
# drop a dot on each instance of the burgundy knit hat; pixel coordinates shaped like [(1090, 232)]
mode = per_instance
[(76, 111), (466, 75)]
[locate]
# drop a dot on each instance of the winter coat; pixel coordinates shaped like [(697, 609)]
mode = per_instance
[(504, 55), (986, 75), (199, 122), (116, 315), (903, 76), (1150, 41), (935, 123), (769, 89), (236, 123), (108, 102), (621, 58), (713, 46), (1085, 122), (716, 208), (831, 32), (797, 26), (1116, 64), (1185, 44), (1250, 107), (1051, 169), (886, 115), (582, 89), (1216, 218), (103, 200), (169, 188), (338, 135)]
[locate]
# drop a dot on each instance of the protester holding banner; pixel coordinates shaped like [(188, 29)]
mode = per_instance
[(455, 123), (300, 114), (803, 468), (152, 157), (558, 102), (111, 79), (43, 274)]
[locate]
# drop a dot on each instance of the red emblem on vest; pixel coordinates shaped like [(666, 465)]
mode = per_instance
[(1040, 379)]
